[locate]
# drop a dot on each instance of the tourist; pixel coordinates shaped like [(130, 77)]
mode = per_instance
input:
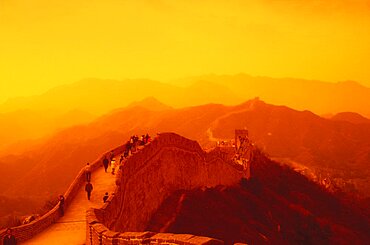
[(9, 238), (128, 147), (88, 189), (113, 165), (105, 198), (61, 205), (105, 163), (132, 144), (142, 140), (147, 138), (125, 154), (88, 172)]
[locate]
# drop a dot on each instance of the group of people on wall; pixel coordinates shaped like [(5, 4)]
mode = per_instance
[(109, 160), (131, 146)]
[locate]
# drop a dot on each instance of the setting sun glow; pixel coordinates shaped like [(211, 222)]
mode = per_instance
[(47, 43)]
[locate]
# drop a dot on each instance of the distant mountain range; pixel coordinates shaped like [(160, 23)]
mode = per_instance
[(25, 118), (18, 127), (316, 96), (351, 117), (99, 96), (46, 139), (34, 117), (338, 149)]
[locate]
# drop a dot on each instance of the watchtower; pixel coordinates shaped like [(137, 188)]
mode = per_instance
[(240, 136), (243, 149)]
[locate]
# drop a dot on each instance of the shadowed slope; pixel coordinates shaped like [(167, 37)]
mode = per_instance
[(277, 206)]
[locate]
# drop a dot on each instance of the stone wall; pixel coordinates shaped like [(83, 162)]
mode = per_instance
[(27, 231), (169, 163), (98, 234)]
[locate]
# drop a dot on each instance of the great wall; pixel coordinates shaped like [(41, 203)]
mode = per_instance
[(169, 163)]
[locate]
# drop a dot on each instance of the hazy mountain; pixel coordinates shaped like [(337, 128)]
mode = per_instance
[(350, 117), (335, 149), (27, 124), (150, 103), (22, 119), (99, 96), (25, 118), (317, 96)]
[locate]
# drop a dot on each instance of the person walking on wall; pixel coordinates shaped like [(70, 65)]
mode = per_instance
[(88, 189), (9, 238), (88, 172), (105, 198), (61, 205), (105, 163)]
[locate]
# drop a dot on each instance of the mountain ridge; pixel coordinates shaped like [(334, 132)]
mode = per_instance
[(270, 127)]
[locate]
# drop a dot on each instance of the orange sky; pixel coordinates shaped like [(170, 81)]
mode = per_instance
[(44, 43)]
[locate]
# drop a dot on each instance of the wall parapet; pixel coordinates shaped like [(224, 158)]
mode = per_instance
[(99, 234)]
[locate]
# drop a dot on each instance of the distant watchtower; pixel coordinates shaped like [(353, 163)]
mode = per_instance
[(240, 135), (243, 149)]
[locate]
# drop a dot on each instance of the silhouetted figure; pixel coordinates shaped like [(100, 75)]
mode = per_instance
[(9, 238), (88, 189), (61, 205), (142, 140), (147, 138), (105, 198), (88, 172), (105, 163), (121, 159), (128, 147)]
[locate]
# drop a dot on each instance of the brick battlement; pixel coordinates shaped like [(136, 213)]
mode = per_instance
[(169, 163)]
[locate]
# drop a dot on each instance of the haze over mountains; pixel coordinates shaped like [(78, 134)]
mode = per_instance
[(33, 117), (317, 96), (36, 116), (20, 126), (39, 170), (99, 96), (351, 117), (280, 131)]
